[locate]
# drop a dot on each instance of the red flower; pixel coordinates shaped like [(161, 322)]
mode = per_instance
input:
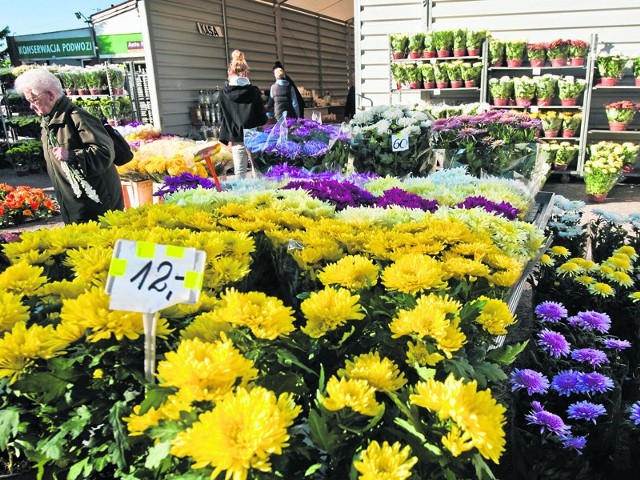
[(579, 44), (559, 43), (538, 46), (622, 105)]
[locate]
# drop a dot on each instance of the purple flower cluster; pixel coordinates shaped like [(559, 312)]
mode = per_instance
[(634, 413), (591, 356), (504, 209), (554, 343), (550, 312), (590, 320), (282, 171), (530, 380), (570, 382), (184, 181), (585, 411), (548, 421), (341, 194), (398, 196)]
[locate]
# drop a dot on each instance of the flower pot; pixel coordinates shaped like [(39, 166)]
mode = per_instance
[(618, 126), (469, 83), (523, 102), (568, 133), (118, 91), (70, 91), (637, 82), (609, 81), (558, 62), (596, 197), (543, 102), (537, 62), (430, 85), (576, 61), (457, 83), (459, 53), (398, 55), (550, 133), (83, 91), (415, 85), (560, 166), (95, 91), (497, 63), (500, 102), (473, 52), (415, 54), (569, 102), (398, 85), (442, 84), (429, 54), (514, 63), (627, 169), (443, 53)]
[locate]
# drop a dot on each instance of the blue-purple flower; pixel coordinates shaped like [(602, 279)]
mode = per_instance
[(341, 194), (616, 344), (184, 181), (550, 311), (590, 320), (530, 380), (594, 382), (585, 410), (553, 343), (634, 413), (402, 198), (591, 356), (504, 209), (566, 382), (547, 420), (577, 443)]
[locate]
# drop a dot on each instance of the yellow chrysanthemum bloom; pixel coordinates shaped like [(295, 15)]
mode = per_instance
[(429, 318), (629, 251), (559, 251), (495, 316), (475, 413), (241, 432), (453, 338), (601, 289), (91, 310), (462, 268), (619, 261), (417, 353), (22, 279), (381, 373), (12, 310), (585, 264), (457, 441), (170, 410), (352, 271), (357, 395), (621, 278), (266, 317), (205, 327), (208, 370), (386, 462), (634, 297), (547, 260), (414, 273), (606, 270), (64, 288), (329, 309), (506, 278), (585, 280), (91, 265), (569, 268)]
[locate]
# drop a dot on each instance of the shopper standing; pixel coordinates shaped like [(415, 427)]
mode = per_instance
[(282, 97), (240, 107), (77, 149), (299, 97)]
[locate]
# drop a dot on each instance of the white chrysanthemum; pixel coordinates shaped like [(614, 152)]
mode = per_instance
[(382, 127), (393, 113)]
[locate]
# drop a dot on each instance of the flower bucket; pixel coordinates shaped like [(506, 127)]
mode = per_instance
[(469, 83), (500, 102), (618, 126), (398, 55), (442, 84), (543, 102), (560, 166), (537, 62), (608, 81), (596, 197), (430, 85), (550, 133), (523, 102), (558, 62), (576, 62), (137, 194), (569, 102), (568, 134), (457, 83), (429, 54), (443, 53), (514, 63), (473, 52), (459, 53)]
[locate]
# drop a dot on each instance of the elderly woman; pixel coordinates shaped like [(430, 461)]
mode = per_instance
[(78, 150)]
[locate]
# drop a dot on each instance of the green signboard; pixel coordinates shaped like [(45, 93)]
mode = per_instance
[(120, 44), (52, 48)]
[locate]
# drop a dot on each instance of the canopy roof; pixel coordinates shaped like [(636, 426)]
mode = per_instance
[(338, 9)]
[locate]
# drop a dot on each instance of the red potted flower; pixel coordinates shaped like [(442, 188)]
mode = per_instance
[(558, 52), (619, 114), (537, 53), (578, 50)]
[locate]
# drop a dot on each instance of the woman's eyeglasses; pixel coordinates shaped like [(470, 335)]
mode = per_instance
[(35, 99)]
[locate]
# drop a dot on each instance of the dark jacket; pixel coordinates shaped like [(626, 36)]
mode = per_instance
[(281, 99), (240, 107), (299, 96), (90, 153)]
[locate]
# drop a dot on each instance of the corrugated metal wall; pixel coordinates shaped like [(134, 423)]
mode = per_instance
[(615, 21), (315, 51)]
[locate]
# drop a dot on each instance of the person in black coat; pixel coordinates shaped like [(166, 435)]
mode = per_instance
[(299, 96)]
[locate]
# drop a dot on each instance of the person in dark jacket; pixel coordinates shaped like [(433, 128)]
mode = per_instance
[(299, 97), (282, 97), (240, 107), (78, 150)]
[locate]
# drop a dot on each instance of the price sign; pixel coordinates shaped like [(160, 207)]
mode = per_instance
[(147, 277), (399, 142), (536, 71)]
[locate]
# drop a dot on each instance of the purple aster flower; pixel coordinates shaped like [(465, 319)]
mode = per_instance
[(547, 420), (504, 209), (578, 443), (184, 181), (551, 311), (400, 197), (594, 382), (585, 411), (530, 380), (554, 343), (315, 148), (590, 320), (566, 382), (634, 413), (341, 194), (616, 344), (591, 356)]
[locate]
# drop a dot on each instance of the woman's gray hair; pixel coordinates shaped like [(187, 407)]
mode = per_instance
[(38, 80)]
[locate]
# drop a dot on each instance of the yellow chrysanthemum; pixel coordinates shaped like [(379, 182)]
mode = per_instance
[(629, 251), (430, 317), (179, 402), (547, 260), (462, 268), (585, 279), (386, 462), (208, 370), (559, 251), (12, 310), (242, 431), (601, 289), (605, 270), (328, 309), (569, 268), (22, 279), (505, 278), (634, 297), (352, 271), (381, 373), (206, 327), (475, 413), (621, 278), (414, 273), (64, 288), (585, 264), (266, 317), (619, 261), (91, 265), (417, 353), (357, 395), (91, 310), (495, 316)]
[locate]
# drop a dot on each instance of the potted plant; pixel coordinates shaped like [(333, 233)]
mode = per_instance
[(454, 70), (428, 76), (551, 123), (429, 49), (116, 77), (443, 41), (415, 45), (459, 43), (83, 82), (602, 170), (611, 67), (578, 50), (558, 52), (546, 86), (474, 42), (414, 77), (398, 74), (569, 89), (635, 65), (440, 71), (95, 80), (501, 90), (399, 44), (571, 122), (619, 114), (471, 73), (524, 89), (537, 54), (496, 52), (514, 51), (567, 152), (548, 152)]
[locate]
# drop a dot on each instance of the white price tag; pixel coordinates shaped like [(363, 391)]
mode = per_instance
[(537, 71), (400, 142), (436, 91), (534, 109), (147, 277)]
